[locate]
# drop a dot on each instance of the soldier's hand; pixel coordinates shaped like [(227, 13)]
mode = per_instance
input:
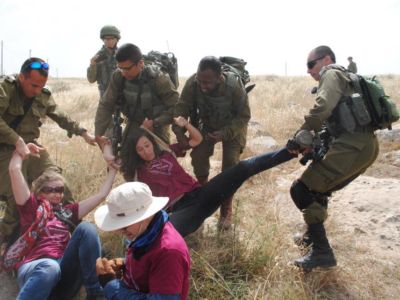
[(181, 121), (215, 136), (148, 124), (90, 139), (22, 148), (93, 60), (34, 149), (109, 157)]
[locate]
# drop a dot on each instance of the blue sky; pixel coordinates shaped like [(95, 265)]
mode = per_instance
[(274, 37)]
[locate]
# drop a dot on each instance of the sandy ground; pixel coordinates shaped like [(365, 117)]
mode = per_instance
[(365, 213)]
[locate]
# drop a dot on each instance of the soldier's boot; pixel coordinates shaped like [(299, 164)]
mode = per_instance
[(302, 240), (202, 179), (321, 254), (225, 217)]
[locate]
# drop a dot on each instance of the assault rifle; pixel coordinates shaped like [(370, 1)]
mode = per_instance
[(320, 146), (116, 139)]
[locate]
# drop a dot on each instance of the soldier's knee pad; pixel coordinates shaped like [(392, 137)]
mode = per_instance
[(301, 195), (315, 213)]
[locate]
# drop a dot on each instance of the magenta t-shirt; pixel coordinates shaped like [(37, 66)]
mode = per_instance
[(164, 269), (166, 178), (56, 235)]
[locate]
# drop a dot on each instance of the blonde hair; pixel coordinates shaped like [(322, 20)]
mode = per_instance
[(43, 179)]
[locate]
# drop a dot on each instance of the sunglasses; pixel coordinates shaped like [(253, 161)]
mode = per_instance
[(126, 69), (312, 63), (49, 189), (37, 65)]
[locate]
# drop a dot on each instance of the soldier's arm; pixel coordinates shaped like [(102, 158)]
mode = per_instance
[(91, 73), (62, 119), (7, 134), (184, 107), (330, 92), (169, 96), (242, 116), (106, 105)]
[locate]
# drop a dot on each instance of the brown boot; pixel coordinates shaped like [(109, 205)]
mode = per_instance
[(225, 218), (202, 179)]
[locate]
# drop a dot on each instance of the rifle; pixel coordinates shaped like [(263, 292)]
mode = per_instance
[(321, 145), (116, 139)]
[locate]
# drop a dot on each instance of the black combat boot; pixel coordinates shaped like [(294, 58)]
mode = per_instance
[(321, 254)]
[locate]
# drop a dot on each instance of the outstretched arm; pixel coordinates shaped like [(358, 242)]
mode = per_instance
[(195, 136), (19, 186), (87, 205)]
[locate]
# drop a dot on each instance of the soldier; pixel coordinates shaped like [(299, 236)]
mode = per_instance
[(350, 153), (103, 64), (24, 101), (217, 104), (352, 67), (144, 93)]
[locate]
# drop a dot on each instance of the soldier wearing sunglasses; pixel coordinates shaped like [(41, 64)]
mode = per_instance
[(350, 153), (24, 101)]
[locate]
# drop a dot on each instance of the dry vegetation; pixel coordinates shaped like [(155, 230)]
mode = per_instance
[(252, 262)]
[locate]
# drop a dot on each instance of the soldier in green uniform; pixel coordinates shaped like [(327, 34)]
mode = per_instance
[(145, 94), (24, 101), (217, 104), (103, 64), (352, 67), (351, 152)]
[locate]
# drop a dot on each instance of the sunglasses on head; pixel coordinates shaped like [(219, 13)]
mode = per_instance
[(37, 65), (49, 189), (312, 63)]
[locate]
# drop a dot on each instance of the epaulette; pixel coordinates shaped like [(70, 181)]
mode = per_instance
[(332, 67), (10, 79), (46, 90)]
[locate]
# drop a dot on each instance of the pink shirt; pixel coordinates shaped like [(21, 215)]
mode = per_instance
[(166, 178), (56, 237), (164, 269)]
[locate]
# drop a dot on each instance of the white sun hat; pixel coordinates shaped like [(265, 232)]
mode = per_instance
[(127, 204)]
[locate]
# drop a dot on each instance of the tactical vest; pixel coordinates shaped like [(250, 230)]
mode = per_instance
[(350, 115), (140, 98), (216, 112)]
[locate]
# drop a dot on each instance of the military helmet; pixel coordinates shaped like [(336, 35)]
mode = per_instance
[(110, 30)]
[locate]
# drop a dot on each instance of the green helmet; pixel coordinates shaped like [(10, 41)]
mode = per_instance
[(110, 30)]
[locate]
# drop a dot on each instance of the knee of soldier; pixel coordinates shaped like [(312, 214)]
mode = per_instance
[(315, 213), (301, 195)]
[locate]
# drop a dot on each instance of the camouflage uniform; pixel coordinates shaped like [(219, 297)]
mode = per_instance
[(226, 109), (151, 95), (349, 155), (102, 71), (12, 102)]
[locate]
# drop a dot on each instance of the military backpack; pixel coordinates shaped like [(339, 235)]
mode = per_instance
[(237, 66), (370, 104), (167, 63)]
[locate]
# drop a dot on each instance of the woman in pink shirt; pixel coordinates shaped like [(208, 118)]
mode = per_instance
[(56, 252), (189, 203)]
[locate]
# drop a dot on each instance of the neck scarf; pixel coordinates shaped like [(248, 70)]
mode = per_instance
[(142, 244)]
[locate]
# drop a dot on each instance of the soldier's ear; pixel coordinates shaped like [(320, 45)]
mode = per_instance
[(141, 63)]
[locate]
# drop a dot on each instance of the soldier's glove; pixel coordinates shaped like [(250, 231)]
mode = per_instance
[(108, 270), (302, 140)]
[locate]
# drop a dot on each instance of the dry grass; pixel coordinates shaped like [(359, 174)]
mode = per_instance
[(253, 261)]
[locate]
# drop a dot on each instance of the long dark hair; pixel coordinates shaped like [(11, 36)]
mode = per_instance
[(130, 158)]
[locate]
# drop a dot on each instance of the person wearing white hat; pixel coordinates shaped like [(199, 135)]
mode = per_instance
[(157, 261)]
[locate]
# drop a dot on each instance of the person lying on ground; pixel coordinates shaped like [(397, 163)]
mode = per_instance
[(143, 159)]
